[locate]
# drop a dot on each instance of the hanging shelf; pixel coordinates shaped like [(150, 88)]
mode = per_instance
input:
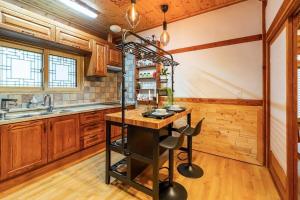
[(143, 52)]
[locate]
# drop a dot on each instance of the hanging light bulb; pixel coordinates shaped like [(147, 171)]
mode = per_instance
[(132, 15), (164, 37)]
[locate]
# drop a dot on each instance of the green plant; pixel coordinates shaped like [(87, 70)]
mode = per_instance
[(170, 95), (164, 71)]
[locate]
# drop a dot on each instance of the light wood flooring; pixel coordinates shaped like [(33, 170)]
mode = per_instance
[(223, 179)]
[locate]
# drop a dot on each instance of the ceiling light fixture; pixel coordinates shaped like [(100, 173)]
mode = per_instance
[(132, 15), (115, 28), (80, 8), (164, 37)]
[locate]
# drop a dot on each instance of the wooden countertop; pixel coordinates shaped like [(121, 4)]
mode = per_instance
[(134, 117)]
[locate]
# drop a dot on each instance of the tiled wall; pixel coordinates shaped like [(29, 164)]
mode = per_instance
[(130, 78), (104, 89)]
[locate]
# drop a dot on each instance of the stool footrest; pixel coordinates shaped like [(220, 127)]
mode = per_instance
[(183, 149)]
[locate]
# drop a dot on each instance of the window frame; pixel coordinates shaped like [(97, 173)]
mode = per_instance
[(45, 69), (79, 70)]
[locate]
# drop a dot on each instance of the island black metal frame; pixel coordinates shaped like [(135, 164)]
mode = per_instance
[(141, 51)]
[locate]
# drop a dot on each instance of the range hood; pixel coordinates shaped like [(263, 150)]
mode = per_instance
[(113, 69)]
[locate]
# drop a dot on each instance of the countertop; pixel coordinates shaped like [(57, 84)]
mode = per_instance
[(134, 117), (58, 111)]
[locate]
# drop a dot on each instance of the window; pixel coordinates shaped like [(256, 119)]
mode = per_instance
[(38, 69), (62, 72), (20, 68)]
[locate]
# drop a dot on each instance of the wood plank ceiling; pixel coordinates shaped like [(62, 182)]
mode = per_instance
[(113, 12)]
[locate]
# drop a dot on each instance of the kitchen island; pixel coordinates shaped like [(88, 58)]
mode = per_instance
[(142, 147)]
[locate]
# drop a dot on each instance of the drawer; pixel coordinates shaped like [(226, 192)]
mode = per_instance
[(92, 129), (90, 117), (91, 140)]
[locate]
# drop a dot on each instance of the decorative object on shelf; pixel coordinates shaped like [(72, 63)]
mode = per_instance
[(164, 74), (164, 37), (132, 15)]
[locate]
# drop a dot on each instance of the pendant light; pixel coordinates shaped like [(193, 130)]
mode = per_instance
[(164, 37), (132, 15)]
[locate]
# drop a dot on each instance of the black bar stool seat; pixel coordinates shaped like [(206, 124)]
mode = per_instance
[(189, 169), (170, 190)]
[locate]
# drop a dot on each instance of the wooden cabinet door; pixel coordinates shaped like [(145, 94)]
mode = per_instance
[(114, 57), (100, 65), (26, 24), (73, 38), (97, 63), (23, 147), (63, 137)]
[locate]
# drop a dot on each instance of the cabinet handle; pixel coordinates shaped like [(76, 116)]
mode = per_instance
[(28, 33), (93, 127)]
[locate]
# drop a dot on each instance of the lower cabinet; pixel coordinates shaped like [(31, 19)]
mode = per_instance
[(26, 146), (63, 136), (23, 147)]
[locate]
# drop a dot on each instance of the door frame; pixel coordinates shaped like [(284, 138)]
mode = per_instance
[(292, 104), (285, 18)]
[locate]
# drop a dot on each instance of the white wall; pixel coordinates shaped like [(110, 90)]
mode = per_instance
[(278, 99), (272, 8), (224, 72)]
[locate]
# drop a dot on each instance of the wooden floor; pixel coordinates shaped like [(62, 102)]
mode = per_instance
[(223, 179)]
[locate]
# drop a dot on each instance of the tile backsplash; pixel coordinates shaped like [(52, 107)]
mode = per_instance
[(104, 89)]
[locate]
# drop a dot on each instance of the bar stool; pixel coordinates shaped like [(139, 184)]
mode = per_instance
[(189, 169), (170, 190)]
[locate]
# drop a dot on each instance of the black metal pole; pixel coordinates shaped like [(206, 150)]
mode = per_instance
[(172, 99), (123, 96)]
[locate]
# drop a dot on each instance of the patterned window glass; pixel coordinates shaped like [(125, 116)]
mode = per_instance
[(62, 72), (20, 68)]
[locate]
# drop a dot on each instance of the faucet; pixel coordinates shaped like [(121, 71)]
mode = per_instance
[(4, 107), (50, 107), (4, 103)]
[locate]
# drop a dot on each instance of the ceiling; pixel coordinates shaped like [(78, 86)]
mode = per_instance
[(113, 12)]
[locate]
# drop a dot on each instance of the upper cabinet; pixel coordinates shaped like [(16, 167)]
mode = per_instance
[(73, 38), (26, 24), (96, 64), (114, 57)]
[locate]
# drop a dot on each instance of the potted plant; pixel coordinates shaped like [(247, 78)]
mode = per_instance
[(164, 74)]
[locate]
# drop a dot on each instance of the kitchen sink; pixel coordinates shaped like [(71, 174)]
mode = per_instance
[(18, 116), (27, 115)]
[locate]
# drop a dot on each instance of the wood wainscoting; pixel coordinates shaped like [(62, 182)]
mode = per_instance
[(232, 130)]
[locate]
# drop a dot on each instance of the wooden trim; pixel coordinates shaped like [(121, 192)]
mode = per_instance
[(292, 101), (19, 181), (284, 19), (278, 175), (245, 102), (246, 39), (264, 49), (287, 9)]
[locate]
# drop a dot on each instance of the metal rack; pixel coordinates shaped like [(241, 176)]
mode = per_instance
[(142, 51)]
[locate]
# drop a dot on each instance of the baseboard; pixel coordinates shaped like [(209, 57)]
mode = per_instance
[(278, 176)]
